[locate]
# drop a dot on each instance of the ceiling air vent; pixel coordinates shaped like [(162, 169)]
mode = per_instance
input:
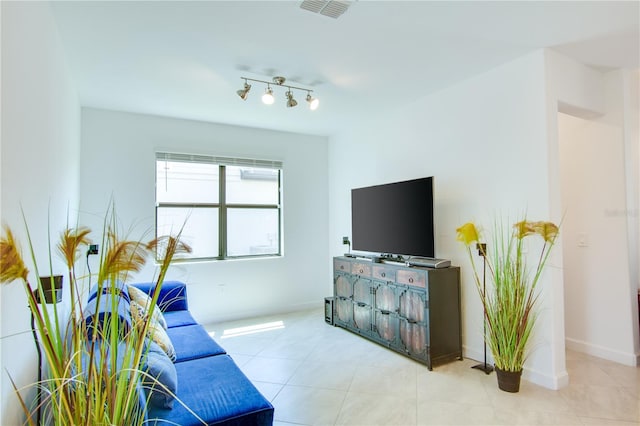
[(331, 8)]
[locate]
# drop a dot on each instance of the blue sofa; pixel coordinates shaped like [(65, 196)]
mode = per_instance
[(208, 380)]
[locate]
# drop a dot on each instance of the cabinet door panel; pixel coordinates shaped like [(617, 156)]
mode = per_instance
[(412, 305), (343, 286), (386, 297), (344, 311), (414, 338), (362, 317), (362, 291), (386, 326)]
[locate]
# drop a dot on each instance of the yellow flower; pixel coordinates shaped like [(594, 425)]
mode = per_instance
[(524, 228), (547, 230), (11, 263), (467, 233)]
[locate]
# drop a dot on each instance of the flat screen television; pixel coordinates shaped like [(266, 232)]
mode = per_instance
[(394, 218)]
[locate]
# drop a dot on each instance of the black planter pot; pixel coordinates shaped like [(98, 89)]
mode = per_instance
[(508, 381)]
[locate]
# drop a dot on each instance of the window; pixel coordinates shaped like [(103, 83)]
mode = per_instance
[(230, 207)]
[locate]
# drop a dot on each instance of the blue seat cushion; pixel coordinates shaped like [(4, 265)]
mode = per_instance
[(193, 341), (178, 318), (218, 392)]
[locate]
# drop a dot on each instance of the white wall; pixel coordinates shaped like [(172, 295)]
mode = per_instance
[(593, 191), (40, 155), (118, 160), (485, 142), (598, 165), (631, 130)]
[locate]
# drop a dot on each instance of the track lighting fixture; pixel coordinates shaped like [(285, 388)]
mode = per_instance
[(278, 81)]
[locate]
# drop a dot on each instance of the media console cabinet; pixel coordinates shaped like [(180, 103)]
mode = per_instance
[(411, 310)]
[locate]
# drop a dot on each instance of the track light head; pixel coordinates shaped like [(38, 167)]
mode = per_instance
[(268, 98), (313, 102), (244, 92), (290, 101)]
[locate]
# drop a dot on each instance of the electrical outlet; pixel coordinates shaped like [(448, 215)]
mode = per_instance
[(93, 249)]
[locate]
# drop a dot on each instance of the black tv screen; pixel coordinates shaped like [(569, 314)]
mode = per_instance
[(395, 218)]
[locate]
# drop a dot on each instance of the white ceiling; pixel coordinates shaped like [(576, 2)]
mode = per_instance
[(185, 59)]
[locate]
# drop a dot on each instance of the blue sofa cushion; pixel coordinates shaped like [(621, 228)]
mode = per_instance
[(193, 341), (173, 295), (218, 392), (163, 383), (178, 318)]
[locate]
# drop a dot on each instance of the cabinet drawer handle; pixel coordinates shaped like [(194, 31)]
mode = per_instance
[(361, 270), (410, 280), (383, 275), (342, 267), (361, 304)]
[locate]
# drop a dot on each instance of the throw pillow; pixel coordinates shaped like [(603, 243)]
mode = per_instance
[(138, 313), (160, 336), (161, 384), (144, 301)]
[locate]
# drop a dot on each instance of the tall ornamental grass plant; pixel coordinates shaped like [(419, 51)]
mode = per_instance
[(510, 302), (93, 368)]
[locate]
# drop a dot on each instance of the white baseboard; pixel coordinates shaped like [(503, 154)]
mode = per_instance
[(270, 311), (626, 358), (476, 355), (528, 374), (545, 380)]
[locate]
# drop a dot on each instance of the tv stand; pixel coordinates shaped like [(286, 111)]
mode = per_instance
[(409, 309)]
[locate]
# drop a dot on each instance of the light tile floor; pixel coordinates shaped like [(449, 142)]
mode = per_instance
[(317, 374)]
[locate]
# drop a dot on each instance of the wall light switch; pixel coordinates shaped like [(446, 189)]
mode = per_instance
[(583, 241)]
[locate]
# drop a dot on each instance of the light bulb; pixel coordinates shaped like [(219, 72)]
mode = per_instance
[(268, 98), (313, 102)]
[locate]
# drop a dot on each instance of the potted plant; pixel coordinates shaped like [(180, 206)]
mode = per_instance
[(93, 373), (510, 302)]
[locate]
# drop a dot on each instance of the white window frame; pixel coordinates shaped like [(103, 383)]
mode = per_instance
[(222, 205)]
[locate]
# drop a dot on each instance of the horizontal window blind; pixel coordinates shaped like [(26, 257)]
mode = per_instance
[(227, 161)]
